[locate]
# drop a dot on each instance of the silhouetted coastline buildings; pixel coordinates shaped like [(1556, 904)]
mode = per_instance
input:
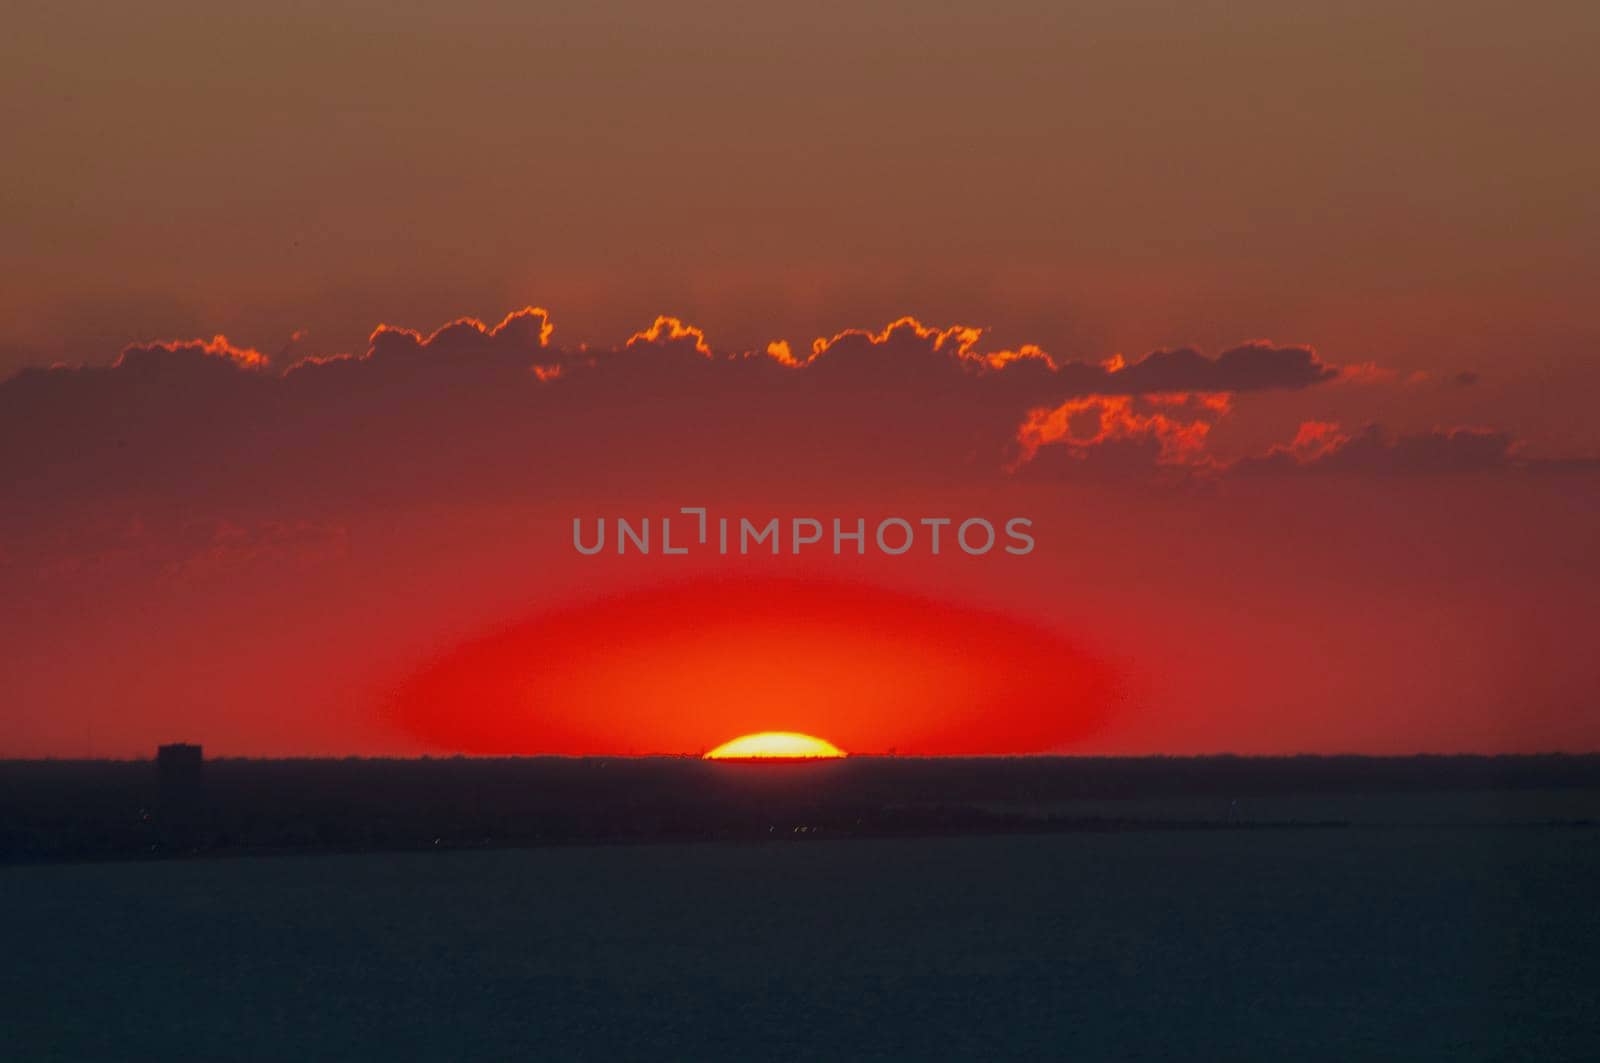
[(180, 773), (183, 804), (181, 769)]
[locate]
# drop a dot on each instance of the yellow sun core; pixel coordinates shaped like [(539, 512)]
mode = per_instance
[(776, 745)]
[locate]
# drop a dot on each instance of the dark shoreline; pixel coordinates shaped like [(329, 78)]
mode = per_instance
[(75, 811)]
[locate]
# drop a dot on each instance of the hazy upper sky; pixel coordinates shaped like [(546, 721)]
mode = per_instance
[(1350, 502), (1406, 182)]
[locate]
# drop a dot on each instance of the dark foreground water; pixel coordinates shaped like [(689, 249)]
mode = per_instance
[(1445, 943)]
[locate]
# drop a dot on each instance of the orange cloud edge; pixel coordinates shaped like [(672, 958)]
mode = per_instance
[(1076, 427)]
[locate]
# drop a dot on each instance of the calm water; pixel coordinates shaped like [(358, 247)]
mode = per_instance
[(1366, 943)]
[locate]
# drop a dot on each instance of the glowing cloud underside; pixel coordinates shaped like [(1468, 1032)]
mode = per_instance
[(775, 744)]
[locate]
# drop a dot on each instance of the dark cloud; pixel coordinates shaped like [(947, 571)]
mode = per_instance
[(206, 430), (477, 404), (1323, 448), (906, 349), (1258, 366)]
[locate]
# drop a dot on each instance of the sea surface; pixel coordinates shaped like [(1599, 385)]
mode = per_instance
[(1441, 942)]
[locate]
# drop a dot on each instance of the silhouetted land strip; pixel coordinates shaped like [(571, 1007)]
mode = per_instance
[(88, 810)]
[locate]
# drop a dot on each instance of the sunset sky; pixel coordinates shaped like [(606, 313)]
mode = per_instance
[(320, 323)]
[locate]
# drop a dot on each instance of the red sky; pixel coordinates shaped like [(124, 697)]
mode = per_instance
[(1276, 320)]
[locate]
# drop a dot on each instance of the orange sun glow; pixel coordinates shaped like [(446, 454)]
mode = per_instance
[(666, 669), (781, 745)]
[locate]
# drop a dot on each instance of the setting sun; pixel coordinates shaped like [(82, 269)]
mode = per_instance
[(780, 745)]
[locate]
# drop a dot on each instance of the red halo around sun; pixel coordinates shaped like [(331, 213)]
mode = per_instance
[(680, 669)]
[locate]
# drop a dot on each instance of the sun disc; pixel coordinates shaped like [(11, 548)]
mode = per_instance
[(776, 745)]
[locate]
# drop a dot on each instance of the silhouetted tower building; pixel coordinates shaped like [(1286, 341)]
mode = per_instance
[(180, 767)]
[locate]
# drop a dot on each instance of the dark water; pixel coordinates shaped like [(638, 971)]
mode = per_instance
[(1364, 943)]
